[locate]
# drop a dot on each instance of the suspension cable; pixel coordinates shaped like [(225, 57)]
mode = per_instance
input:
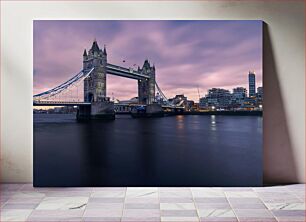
[(64, 86)]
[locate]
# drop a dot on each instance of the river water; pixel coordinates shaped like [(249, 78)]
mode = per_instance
[(170, 151)]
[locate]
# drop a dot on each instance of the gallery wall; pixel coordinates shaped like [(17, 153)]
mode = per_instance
[(284, 72)]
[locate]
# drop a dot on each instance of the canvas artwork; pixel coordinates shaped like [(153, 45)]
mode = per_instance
[(147, 103)]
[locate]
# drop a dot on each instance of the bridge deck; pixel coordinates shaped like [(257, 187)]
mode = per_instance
[(65, 103), (125, 72), (59, 103)]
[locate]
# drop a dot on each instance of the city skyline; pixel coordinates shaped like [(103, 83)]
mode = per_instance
[(216, 62)]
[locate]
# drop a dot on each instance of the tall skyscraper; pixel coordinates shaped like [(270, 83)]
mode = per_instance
[(252, 84)]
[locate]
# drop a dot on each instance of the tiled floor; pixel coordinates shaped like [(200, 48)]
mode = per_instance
[(22, 202)]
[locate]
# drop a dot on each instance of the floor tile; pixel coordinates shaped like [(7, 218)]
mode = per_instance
[(109, 189), (207, 192), (10, 186), (174, 189), (179, 219), (279, 189), (280, 200), (176, 193), (65, 189), (244, 200), (62, 203), (55, 219), (30, 200), (27, 187), (225, 205), (27, 194), (240, 194), (140, 219), (101, 219), (143, 213), (103, 212), (141, 206), (30, 188), (300, 195), (237, 189), (178, 213), (210, 200), (109, 193), (3, 200), (56, 214), (142, 200), (248, 206), (14, 215), (177, 206), (67, 193), (253, 219), (253, 213), (176, 200), (285, 206), (273, 197), (218, 219), (105, 200), (7, 193), (20, 206), (296, 186), (291, 219), (116, 206), (141, 193), (216, 213), (289, 213)]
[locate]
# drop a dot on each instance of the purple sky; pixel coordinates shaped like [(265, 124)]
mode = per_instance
[(187, 54)]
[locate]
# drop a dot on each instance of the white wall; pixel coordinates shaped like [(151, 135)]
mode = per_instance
[(284, 79)]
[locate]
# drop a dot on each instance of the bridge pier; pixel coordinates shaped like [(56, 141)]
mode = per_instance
[(83, 112), (151, 110), (154, 110), (103, 109)]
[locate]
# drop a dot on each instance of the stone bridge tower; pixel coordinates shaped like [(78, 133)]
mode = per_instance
[(146, 87), (95, 84)]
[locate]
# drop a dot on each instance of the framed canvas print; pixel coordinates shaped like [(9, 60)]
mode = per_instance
[(147, 103)]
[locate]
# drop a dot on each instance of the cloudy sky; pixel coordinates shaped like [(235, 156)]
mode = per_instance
[(187, 54)]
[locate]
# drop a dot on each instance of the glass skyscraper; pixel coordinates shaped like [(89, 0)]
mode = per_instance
[(252, 84)]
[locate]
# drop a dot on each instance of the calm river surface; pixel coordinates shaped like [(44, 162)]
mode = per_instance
[(170, 151)]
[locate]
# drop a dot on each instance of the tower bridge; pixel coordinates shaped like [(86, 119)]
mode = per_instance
[(95, 103), (95, 83)]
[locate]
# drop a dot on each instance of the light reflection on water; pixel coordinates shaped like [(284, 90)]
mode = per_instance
[(180, 122), (170, 151), (213, 122)]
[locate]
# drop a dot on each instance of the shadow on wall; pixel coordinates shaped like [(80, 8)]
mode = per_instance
[(279, 165)]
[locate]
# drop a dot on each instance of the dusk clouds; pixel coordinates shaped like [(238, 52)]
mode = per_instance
[(187, 54)]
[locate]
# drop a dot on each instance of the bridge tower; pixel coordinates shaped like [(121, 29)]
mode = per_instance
[(146, 87), (95, 84)]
